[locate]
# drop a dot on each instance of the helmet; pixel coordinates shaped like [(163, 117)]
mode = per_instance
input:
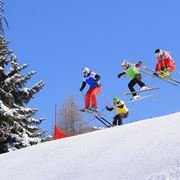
[(157, 51), (125, 63), (86, 71), (116, 99)]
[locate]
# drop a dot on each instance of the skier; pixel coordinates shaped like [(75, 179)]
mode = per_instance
[(132, 71), (92, 79), (122, 110), (165, 64)]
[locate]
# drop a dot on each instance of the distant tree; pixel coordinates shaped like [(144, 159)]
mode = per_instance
[(70, 118), (18, 128)]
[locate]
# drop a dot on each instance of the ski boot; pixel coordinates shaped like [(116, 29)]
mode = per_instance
[(93, 109), (135, 97), (144, 88)]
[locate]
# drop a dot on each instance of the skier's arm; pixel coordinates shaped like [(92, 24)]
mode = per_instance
[(109, 109), (167, 55), (158, 66), (98, 77), (138, 65), (169, 61), (120, 106), (121, 74), (83, 86)]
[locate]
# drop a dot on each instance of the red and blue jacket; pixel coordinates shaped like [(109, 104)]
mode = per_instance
[(92, 79)]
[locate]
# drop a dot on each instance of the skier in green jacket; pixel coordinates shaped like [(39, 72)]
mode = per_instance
[(132, 70)]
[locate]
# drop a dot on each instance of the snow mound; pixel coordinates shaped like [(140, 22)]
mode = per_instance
[(148, 149)]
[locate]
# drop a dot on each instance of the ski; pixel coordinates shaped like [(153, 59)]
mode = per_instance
[(94, 112), (149, 89), (104, 121), (166, 80), (98, 116), (168, 77), (141, 97)]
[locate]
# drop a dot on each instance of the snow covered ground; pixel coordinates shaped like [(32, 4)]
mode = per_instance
[(148, 149)]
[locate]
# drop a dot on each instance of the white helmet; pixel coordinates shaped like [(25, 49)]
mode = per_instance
[(125, 63), (86, 70)]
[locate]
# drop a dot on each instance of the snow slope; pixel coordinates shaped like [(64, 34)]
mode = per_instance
[(148, 149)]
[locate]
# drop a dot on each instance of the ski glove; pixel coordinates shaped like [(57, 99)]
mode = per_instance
[(121, 74), (155, 74), (109, 109), (140, 62)]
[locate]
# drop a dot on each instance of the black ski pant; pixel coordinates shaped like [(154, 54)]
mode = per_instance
[(117, 119), (134, 81)]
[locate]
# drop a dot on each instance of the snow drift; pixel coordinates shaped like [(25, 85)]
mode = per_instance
[(148, 149)]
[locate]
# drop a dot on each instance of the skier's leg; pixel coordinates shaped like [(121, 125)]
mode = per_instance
[(93, 96), (115, 118), (165, 72), (119, 119), (138, 80), (131, 85), (122, 116), (87, 98)]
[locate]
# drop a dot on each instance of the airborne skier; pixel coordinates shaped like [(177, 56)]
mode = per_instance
[(165, 64), (132, 71), (92, 79), (122, 110)]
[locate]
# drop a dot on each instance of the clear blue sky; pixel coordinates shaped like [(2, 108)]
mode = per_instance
[(58, 38)]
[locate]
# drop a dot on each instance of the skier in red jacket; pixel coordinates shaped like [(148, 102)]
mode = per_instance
[(165, 64)]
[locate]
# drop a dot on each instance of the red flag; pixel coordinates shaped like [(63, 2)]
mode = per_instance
[(58, 133)]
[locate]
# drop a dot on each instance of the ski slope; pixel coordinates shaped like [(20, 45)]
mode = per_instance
[(148, 149)]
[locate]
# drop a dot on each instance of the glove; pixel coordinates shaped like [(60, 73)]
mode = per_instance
[(81, 89), (119, 75), (138, 64), (155, 74)]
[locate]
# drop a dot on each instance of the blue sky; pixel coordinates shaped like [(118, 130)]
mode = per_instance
[(58, 38)]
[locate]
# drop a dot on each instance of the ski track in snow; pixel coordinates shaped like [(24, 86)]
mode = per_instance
[(148, 149)]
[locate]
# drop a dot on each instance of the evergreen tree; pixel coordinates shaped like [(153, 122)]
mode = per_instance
[(18, 128)]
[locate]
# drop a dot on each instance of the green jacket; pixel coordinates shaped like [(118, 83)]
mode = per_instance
[(132, 71)]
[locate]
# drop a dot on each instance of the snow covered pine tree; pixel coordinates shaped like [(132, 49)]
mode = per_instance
[(18, 128)]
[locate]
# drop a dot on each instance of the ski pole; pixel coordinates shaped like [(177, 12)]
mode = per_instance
[(106, 99)]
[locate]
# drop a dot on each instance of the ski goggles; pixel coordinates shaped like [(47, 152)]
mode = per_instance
[(85, 73)]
